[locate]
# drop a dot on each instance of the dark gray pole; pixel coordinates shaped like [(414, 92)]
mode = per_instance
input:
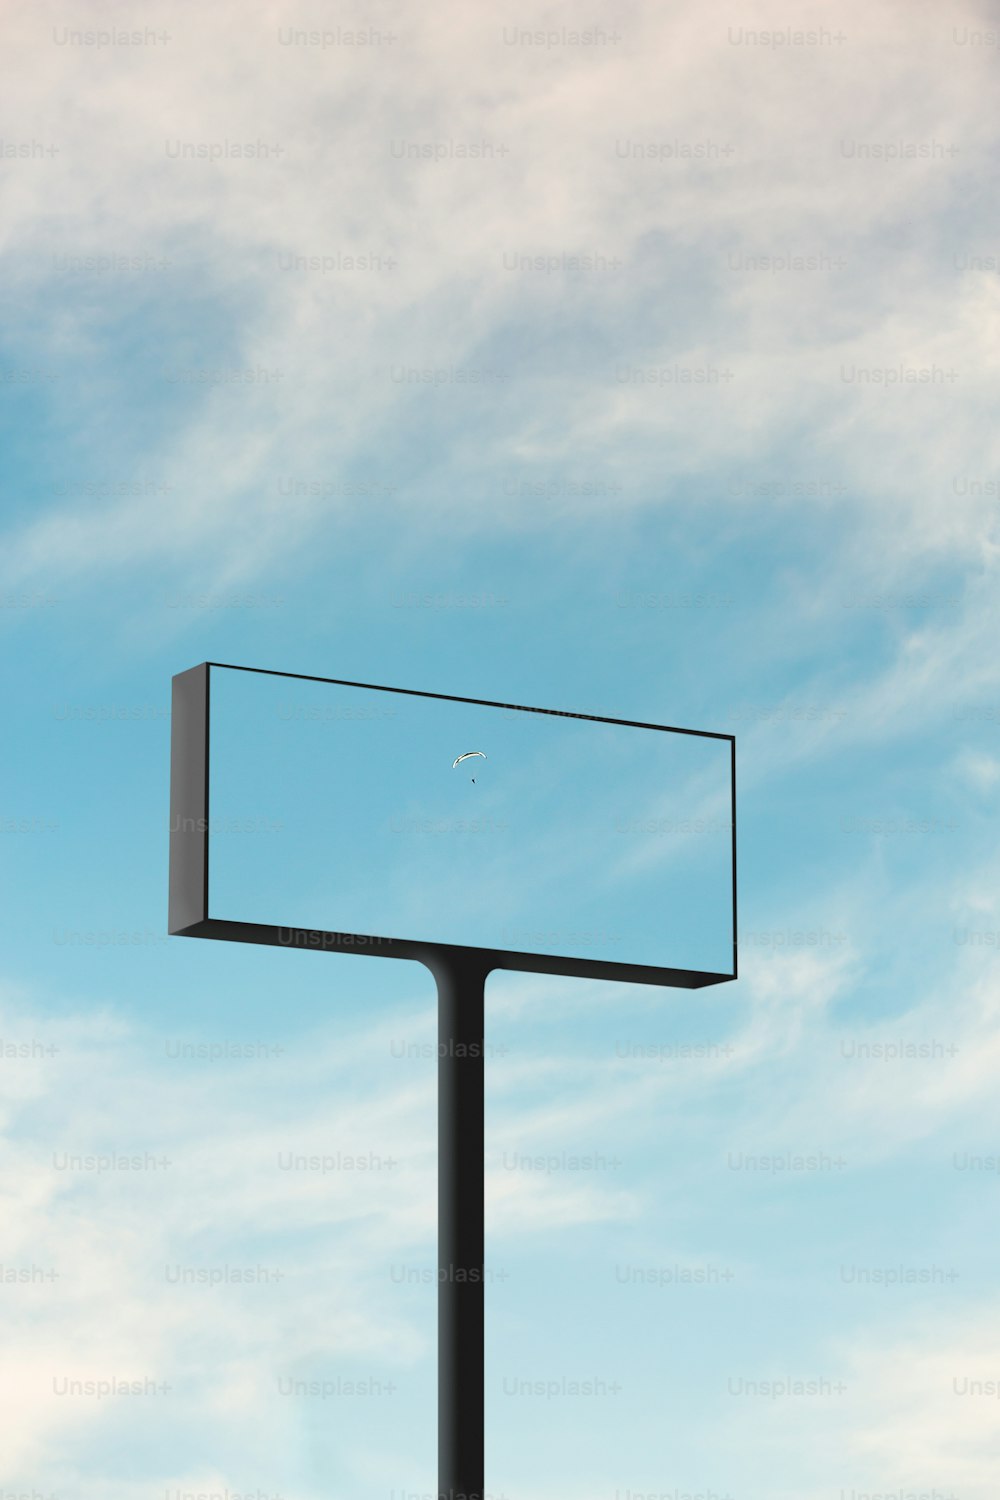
[(461, 986)]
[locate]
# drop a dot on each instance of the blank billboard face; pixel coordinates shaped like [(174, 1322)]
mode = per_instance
[(426, 819)]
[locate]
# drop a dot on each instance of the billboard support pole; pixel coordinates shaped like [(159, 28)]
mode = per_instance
[(461, 984)]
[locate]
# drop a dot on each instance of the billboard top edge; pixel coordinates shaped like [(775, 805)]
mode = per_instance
[(708, 734)]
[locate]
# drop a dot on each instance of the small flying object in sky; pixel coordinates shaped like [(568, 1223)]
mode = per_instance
[(467, 755)]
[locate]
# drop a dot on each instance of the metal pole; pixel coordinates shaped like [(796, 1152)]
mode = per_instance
[(461, 986)]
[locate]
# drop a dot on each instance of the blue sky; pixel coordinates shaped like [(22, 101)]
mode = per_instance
[(672, 402)]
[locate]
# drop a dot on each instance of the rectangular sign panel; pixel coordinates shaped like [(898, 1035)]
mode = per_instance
[(559, 842)]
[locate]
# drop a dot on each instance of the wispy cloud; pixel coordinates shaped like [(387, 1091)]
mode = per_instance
[(594, 163)]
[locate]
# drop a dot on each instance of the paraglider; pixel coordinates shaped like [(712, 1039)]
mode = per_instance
[(468, 755)]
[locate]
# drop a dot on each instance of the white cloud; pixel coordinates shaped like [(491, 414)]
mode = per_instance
[(978, 769), (565, 116)]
